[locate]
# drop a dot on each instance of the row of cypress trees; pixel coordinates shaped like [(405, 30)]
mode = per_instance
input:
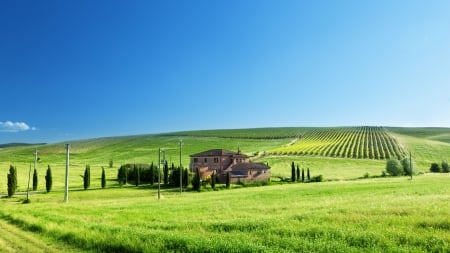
[(12, 180), (295, 174)]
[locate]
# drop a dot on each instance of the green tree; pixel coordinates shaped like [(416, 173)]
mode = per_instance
[(87, 177), (308, 176), (152, 174), (111, 163), (12, 181), (35, 180), (48, 179), (196, 180), (298, 173), (292, 172), (228, 180), (303, 175), (103, 178), (394, 167), (407, 170), (445, 167), (435, 168)]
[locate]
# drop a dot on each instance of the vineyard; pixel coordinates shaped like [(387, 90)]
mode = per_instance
[(345, 142)]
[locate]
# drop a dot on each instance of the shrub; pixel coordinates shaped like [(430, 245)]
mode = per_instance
[(48, 179), (435, 168), (111, 163), (318, 178), (445, 167), (35, 180), (394, 167)]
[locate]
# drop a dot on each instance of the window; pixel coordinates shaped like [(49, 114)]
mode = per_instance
[(206, 160), (216, 159), (195, 160)]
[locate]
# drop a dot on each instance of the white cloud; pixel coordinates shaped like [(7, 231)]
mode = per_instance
[(9, 126)]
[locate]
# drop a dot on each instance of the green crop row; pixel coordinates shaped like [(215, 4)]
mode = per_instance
[(346, 142)]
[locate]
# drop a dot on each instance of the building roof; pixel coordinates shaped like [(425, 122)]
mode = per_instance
[(218, 152), (250, 166)]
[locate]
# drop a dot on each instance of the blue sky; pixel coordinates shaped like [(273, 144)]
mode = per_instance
[(84, 69)]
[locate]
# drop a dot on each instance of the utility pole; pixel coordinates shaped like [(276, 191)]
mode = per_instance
[(29, 173), (181, 170), (159, 169), (66, 194)]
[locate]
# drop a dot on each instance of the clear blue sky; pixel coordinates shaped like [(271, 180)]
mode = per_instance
[(82, 69)]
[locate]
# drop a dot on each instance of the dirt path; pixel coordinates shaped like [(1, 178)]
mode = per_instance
[(13, 239)]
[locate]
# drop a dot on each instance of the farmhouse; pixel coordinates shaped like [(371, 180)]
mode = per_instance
[(221, 161)]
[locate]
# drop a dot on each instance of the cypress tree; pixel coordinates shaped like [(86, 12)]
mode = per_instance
[(103, 178), (303, 175), (166, 173), (293, 172), (35, 180), (12, 181), (152, 174), (48, 179), (298, 173), (213, 180), (196, 181), (228, 180), (87, 177), (308, 175), (185, 178)]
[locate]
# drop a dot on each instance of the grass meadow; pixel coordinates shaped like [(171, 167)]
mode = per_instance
[(370, 215)]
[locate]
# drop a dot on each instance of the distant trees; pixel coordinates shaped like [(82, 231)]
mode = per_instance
[(122, 175), (111, 163), (303, 175), (103, 178), (87, 177), (48, 179), (185, 178), (298, 173), (435, 167), (308, 176), (35, 180), (12, 181)]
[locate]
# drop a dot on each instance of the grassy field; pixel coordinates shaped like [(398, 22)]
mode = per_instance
[(371, 215)]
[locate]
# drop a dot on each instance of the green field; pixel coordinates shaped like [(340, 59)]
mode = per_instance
[(343, 214), (373, 215)]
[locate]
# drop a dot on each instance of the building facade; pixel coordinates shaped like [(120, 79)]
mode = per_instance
[(221, 161)]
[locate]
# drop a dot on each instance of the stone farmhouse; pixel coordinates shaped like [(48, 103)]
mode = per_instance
[(221, 161)]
